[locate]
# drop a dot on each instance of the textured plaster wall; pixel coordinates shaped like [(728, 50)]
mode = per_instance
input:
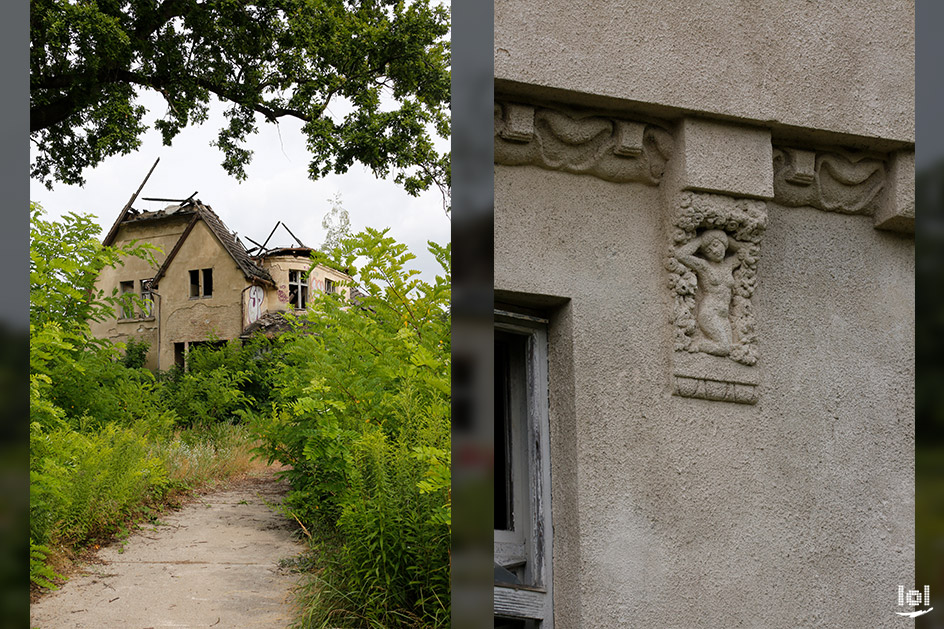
[(184, 319), (162, 235), (844, 66), (279, 266), (679, 512)]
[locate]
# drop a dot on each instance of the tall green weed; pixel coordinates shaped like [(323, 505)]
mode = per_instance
[(361, 413)]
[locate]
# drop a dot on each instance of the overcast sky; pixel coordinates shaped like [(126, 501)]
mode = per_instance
[(277, 188)]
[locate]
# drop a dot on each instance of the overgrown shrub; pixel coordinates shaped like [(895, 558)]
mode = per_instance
[(362, 416), (222, 383), (135, 353)]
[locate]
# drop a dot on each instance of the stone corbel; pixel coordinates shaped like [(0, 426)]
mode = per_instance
[(577, 142), (897, 209)]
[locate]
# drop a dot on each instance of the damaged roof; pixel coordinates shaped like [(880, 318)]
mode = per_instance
[(198, 211)]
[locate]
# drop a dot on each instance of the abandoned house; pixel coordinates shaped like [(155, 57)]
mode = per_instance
[(206, 286)]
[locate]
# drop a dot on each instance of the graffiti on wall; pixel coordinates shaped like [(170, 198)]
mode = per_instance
[(254, 303)]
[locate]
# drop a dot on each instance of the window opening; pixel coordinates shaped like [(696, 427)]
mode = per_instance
[(329, 286), (200, 288), (503, 480), (194, 283), (523, 529), (207, 282), (297, 289), (127, 305), (147, 298)]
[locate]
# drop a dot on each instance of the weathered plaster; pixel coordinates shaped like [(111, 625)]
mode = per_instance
[(840, 67), (670, 511), (185, 319), (279, 267), (163, 236)]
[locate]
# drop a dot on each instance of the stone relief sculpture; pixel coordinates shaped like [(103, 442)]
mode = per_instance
[(712, 265), (834, 182), (715, 273), (610, 148)]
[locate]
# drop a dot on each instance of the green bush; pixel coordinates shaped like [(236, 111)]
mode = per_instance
[(361, 413), (82, 485), (135, 353)]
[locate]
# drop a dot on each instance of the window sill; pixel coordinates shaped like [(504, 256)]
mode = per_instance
[(134, 319)]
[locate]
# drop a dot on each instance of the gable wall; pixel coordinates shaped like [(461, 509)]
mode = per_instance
[(186, 319)]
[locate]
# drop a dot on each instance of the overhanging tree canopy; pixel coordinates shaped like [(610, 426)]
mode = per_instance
[(265, 59)]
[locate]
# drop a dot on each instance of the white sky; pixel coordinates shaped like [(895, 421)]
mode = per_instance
[(277, 188)]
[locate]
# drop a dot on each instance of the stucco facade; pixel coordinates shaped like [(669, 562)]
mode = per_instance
[(730, 434), (204, 285)]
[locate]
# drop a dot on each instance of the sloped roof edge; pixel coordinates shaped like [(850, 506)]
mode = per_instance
[(216, 226)]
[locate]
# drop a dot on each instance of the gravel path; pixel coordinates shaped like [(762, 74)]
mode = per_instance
[(214, 563)]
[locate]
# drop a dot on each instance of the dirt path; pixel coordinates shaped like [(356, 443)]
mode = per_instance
[(214, 563)]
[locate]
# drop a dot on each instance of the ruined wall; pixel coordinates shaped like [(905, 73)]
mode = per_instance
[(184, 319), (277, 299), (740, 468), (163, 235)]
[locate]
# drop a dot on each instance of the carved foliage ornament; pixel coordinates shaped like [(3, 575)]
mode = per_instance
[(834, 182), (609, 148), (712, 264)]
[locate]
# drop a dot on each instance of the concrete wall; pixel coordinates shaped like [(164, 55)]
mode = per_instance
[(784, 498), (678, 512), (184, 319)]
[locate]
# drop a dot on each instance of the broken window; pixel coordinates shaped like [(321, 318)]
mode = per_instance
[(207, 282), (127, 304), (329, 286), (198, 288), (147, 299), (523, 529), (297, 289)]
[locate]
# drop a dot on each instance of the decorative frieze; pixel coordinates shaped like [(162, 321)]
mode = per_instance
[(610, 148), (834, 181)]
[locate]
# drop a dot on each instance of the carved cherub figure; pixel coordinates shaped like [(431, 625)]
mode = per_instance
[(715, 273)]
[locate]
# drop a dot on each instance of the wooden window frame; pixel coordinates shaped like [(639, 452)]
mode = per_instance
[(530, 540), (203, 284), (301, 286)]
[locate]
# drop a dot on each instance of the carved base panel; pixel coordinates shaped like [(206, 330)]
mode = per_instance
[(713, 378)]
